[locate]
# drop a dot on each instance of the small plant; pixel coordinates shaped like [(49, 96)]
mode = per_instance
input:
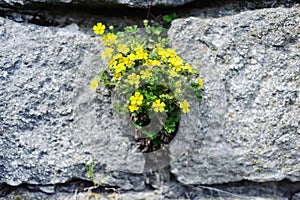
[(90, 171), (170, 17), (151, 77)]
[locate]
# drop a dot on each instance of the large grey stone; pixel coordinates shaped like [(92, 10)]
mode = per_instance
[(49, 128), (250, 120), (130, 3)]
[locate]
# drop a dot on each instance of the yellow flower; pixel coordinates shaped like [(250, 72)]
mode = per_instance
[(162, 53), (171, 52), (127, 61), (120, 67), (158, 106), (117, 56), (109, 39), (153, 62), (131, 57), (158, 46), (123, 49), (99, 28), (117, 76), (133, 108), (134, 79), (138, 48), (185, 106), (177, 68), (188, 68), (176, 61), (145, 74), (111, 27), (94, 84), (200, 82), (166, 53), (112, 64), (178, 83), (139, 55), (136, 99), (114, 61), (107, 53)]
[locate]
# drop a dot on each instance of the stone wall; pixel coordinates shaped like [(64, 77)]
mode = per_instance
[(244, 139)]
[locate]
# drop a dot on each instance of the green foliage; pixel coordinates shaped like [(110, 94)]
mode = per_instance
[(147, 72), (170, 17), (170, 126), (131, 29), (171, 122)]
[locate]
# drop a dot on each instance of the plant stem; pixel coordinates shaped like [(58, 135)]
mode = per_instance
[(149, 9)]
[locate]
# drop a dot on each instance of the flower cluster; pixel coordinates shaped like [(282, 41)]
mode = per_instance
[(135, 101), (140, 61)]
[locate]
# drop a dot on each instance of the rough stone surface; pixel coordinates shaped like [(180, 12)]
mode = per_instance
[(49, 128), (250, 64), (130, 3)]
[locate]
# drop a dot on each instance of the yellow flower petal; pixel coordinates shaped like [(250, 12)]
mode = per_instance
[(133, 108), (134, 79), (123, 49), (185, 106), (200, 82), (99, 28), (107, 53), (94, 84), (158, 106), (145, 74)]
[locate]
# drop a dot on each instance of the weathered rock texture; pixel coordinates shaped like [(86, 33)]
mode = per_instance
[(130, 3), (49, 127), (250, 64)]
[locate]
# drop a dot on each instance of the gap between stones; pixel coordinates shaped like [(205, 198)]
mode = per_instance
[(240, 189), (61, 15)]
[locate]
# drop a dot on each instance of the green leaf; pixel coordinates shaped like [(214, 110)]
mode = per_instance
[(170, 125), (198, 95), (169, 129), (169, 18)]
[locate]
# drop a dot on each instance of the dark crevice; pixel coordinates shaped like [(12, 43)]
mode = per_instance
[(70, 187), (85, 16), (243, 188), (279, 189), (240, 189)]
